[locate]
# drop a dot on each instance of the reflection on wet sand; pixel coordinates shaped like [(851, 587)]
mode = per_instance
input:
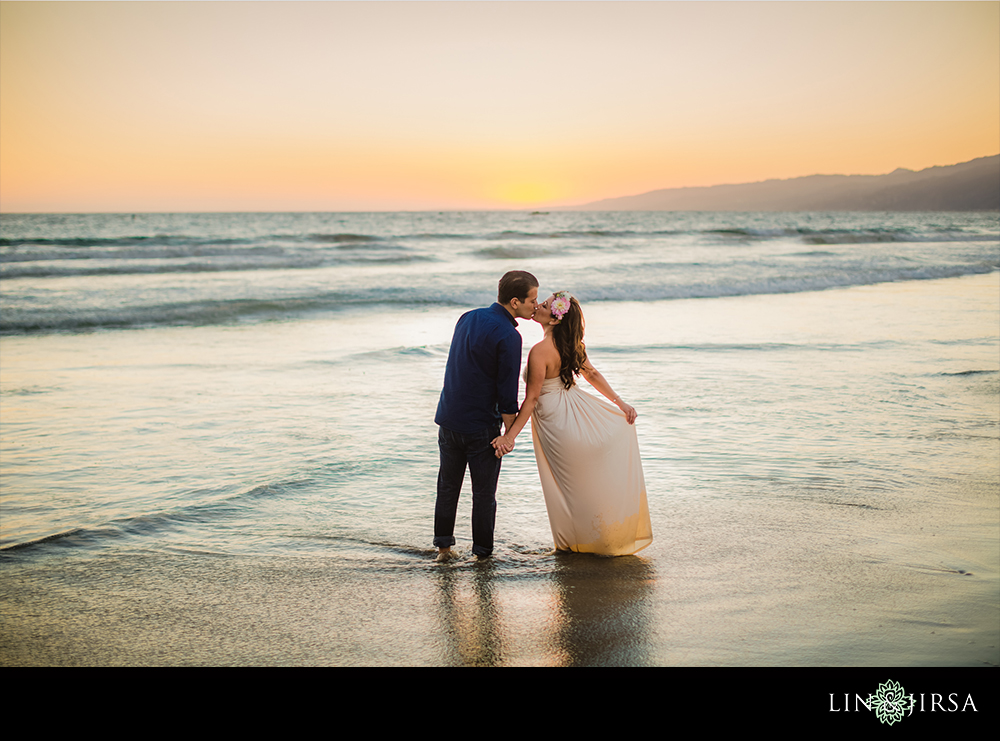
[(472, 625), (587, 611), (605, 605)]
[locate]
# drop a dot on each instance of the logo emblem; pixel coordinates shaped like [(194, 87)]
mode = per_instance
[(890, 702)]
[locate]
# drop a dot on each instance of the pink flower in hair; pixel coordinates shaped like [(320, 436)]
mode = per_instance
[(560, 305)]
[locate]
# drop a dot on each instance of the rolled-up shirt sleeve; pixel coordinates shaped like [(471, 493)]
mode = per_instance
[(508, 365)]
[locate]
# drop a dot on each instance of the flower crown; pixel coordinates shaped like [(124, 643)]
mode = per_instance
[(560, 305)]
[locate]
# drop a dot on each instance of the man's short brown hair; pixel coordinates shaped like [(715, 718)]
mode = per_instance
[(515, 284)]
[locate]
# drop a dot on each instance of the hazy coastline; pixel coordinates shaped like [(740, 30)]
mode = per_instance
[(968, 186)]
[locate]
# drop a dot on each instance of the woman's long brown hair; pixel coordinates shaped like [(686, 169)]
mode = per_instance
[(568, 338)]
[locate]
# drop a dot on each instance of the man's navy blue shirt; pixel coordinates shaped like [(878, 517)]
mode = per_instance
[(480, 382)]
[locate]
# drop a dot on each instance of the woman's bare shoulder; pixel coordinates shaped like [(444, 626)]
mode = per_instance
[(544, 348), (544, 355)]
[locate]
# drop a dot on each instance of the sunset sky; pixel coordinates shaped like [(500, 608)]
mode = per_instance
[(354, 106)]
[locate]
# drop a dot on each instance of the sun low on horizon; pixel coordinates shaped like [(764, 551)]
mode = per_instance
[(367, 106)]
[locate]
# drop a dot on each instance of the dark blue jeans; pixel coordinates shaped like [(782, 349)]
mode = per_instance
[(459, 450)]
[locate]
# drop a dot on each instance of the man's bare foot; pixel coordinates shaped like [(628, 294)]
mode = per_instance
[(445, 554)]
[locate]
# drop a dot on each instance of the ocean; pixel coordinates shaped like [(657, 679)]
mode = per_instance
[(217, 443)]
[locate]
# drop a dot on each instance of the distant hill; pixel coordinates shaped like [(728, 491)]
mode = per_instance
[(970, 186)]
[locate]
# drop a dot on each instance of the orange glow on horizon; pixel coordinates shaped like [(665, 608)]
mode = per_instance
[(255, 106)]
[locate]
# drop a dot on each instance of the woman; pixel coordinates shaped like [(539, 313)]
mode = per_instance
[(587, 451)]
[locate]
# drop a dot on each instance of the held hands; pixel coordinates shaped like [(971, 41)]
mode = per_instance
[(503, 445)]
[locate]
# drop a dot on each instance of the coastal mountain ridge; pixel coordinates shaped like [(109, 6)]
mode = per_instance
[(968, 186)]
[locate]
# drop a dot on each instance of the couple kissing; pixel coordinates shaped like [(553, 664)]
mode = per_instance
[(586, 449)]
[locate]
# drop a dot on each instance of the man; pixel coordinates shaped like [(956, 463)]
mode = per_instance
[(480, 390)]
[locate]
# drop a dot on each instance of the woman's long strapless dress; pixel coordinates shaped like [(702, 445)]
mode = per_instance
[(588, 461)]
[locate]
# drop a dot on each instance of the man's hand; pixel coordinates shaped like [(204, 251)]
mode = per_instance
[(502, 445)]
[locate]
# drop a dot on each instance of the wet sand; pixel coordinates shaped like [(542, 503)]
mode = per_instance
[(807, 584)]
